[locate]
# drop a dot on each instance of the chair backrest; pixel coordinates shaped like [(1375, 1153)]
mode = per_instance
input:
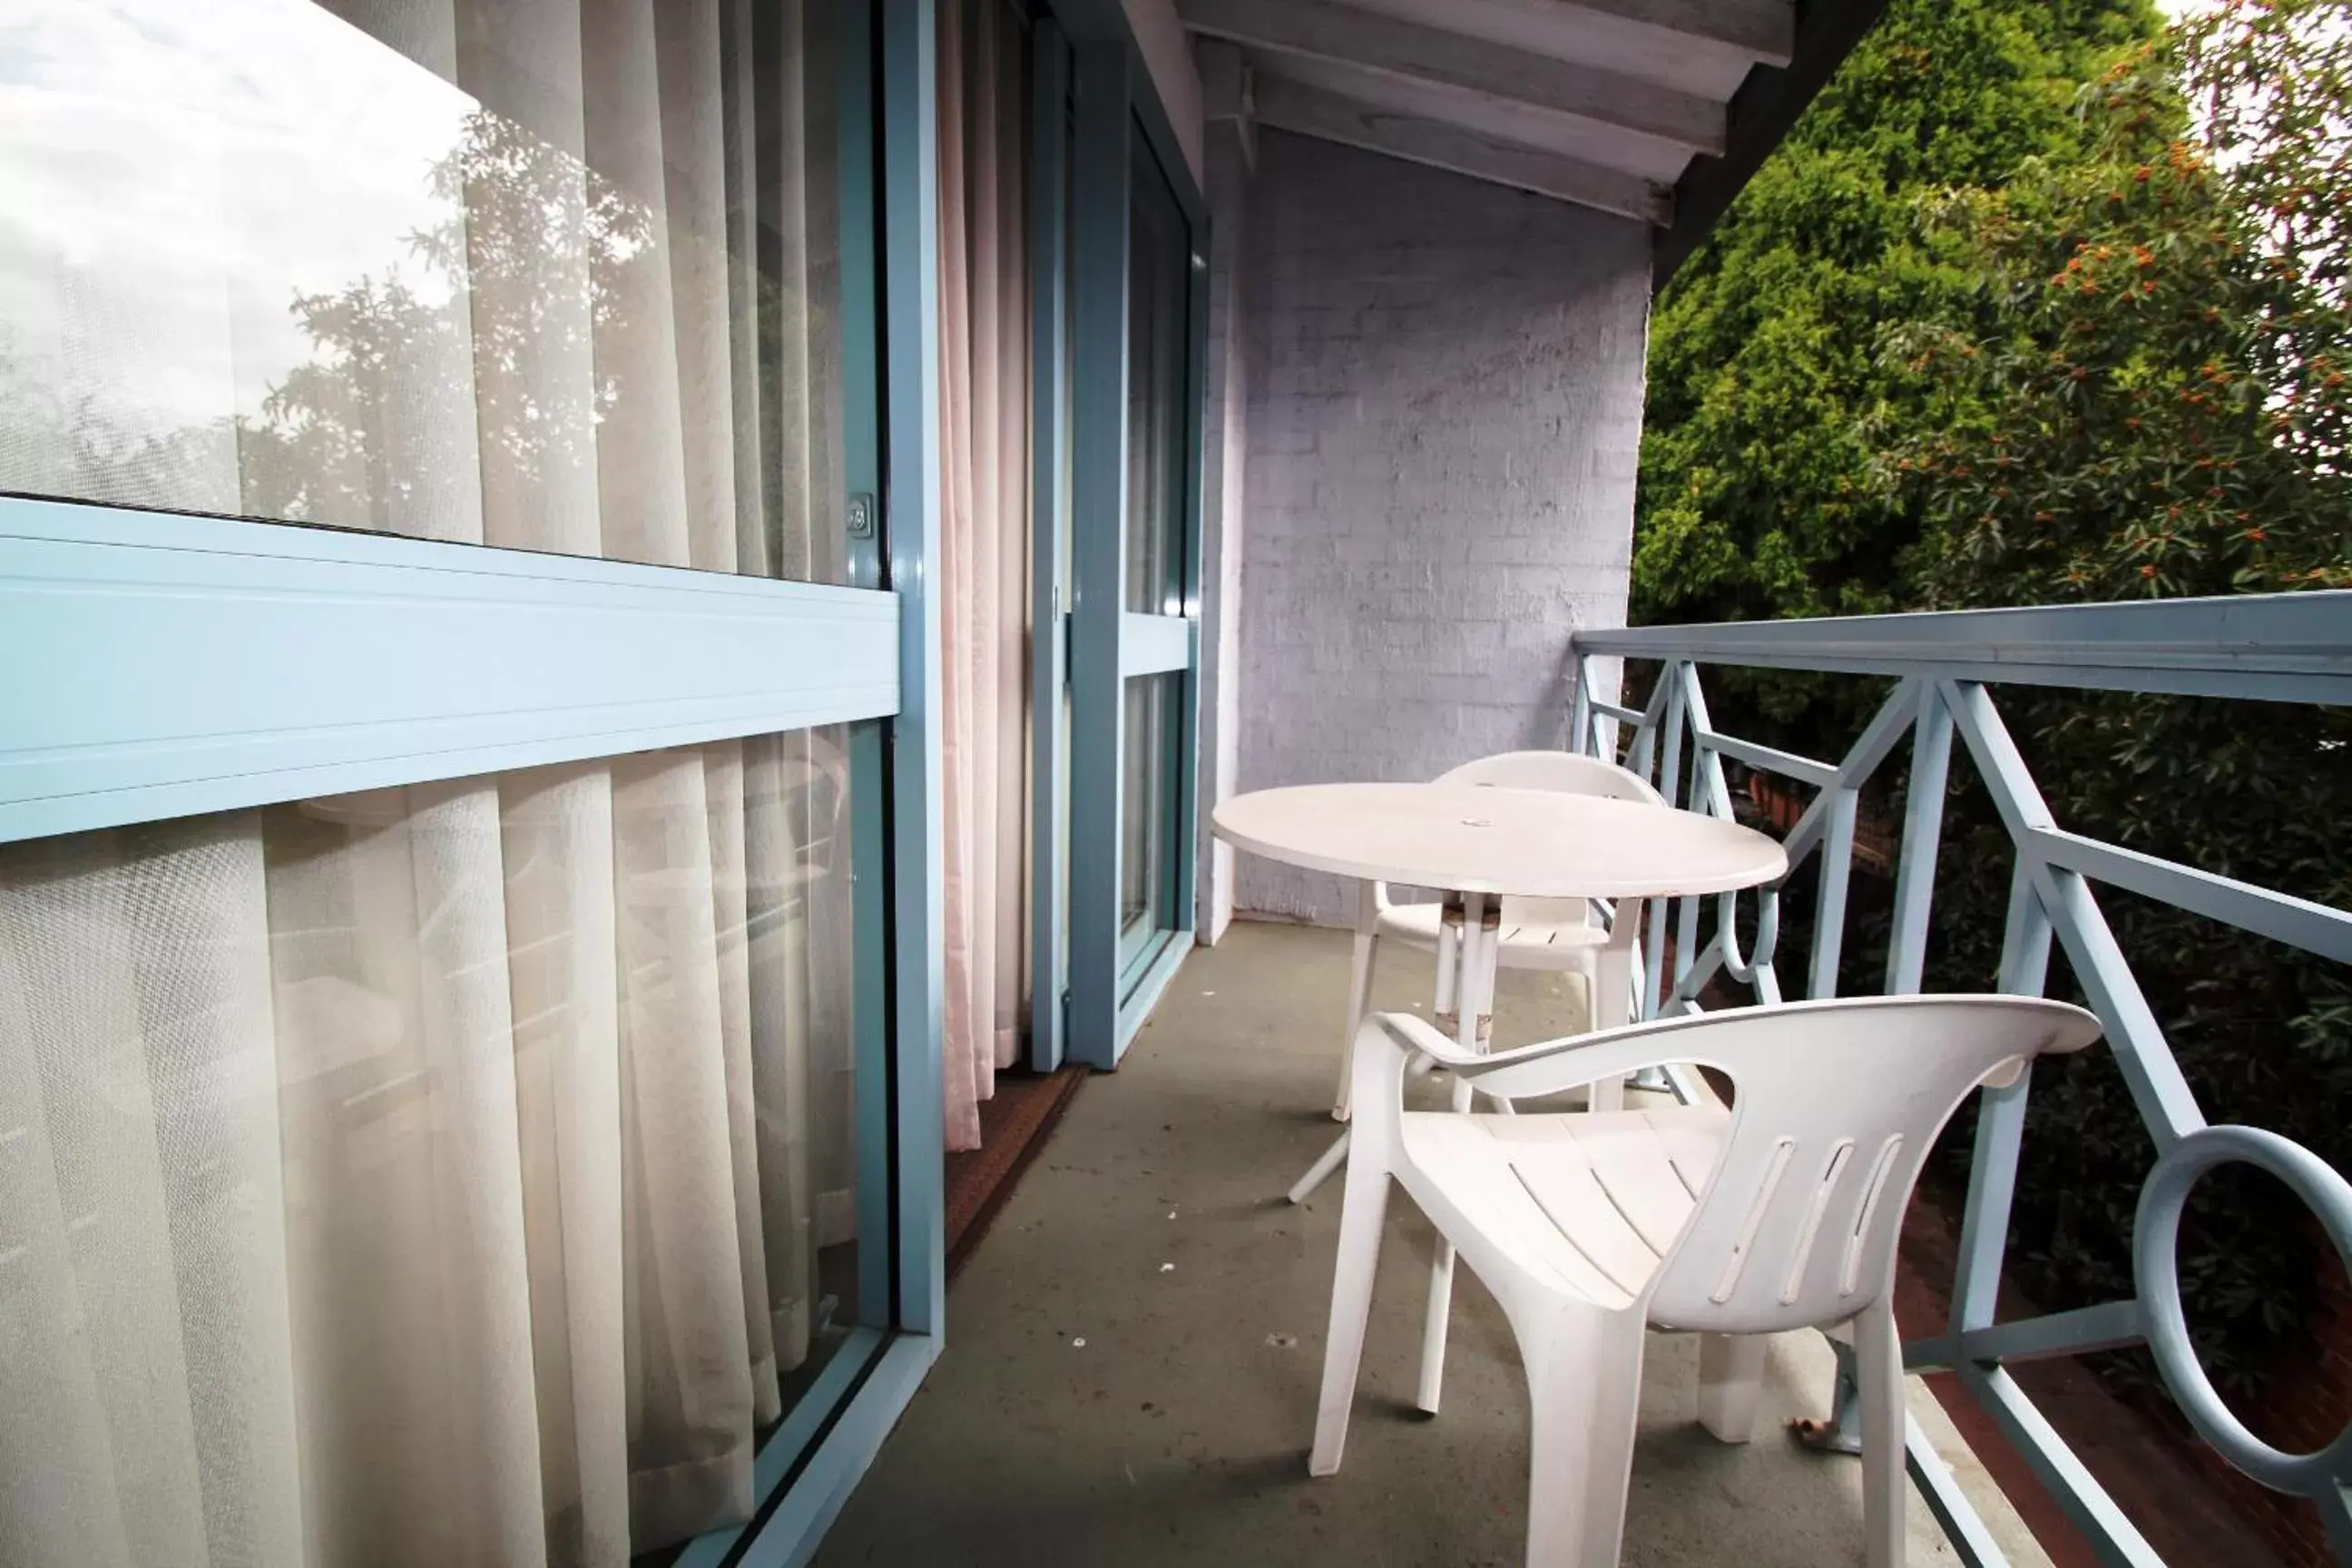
[(1571, 774), (1562, 771), (1835, 1105)]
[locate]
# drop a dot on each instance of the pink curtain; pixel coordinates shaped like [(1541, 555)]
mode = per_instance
[(984, 542)]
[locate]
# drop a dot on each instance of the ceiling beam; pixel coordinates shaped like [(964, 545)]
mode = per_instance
[(1225, 94), (1764, 29), (1408, 52), (1310, 111)]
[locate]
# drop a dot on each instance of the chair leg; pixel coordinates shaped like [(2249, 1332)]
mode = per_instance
[(1609, 1094), (1434, 1319), (1359, 988), (1363, 1210), (1730, 1384), (1878, 1373), (1584, 1388)]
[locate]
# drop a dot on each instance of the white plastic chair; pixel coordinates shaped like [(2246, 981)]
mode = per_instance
[(1558, 934), (1779, 1213)]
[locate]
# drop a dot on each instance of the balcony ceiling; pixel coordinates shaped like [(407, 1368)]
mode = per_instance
[(1611, 104)]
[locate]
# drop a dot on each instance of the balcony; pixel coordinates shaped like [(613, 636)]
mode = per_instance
[(1177, 1432), (1138, 1336), (607, 608)]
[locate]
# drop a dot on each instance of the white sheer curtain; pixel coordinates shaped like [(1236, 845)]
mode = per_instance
[(984, 541), (436, 1175)]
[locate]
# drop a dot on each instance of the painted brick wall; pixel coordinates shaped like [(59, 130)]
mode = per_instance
[(1445, 419)]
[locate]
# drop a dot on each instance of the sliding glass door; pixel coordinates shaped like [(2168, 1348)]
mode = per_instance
[(1155, 635), (1136, 299), (451, 739)]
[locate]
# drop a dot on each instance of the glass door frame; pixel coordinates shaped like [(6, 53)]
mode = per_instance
[(167, 665), (1156, 636), (1087, 146), (1050, 197)]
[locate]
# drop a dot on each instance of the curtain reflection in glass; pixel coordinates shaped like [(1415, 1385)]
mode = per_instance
[(447, 1174), (477, 1141)]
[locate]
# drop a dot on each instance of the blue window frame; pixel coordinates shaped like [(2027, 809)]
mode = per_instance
[(162, 665)]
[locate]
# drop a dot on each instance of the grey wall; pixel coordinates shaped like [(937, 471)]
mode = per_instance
[(1444, 423)]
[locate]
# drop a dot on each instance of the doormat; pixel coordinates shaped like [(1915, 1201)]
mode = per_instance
[(1014, 1125)]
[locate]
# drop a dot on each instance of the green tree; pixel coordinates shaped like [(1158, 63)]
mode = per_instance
[(1766, 391), (2163, 409)]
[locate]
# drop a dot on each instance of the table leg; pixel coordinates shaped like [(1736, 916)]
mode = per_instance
[(1612, 988), (1456, 966), (1469, 937), (1449, 964), (1490, 958), (1320, 1171), (1474, 963), (1474, 1027), (1359, 989)]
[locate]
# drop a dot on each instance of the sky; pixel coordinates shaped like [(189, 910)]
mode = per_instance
[(170, 177)]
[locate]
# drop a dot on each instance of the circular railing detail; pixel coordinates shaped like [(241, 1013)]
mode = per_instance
[(1768, 932), (2155, 1271)]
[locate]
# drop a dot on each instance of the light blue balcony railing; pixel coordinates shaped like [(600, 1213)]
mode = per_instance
[(2294, 648)]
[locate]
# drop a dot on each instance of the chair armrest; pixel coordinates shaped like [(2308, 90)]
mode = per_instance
[(1731, 1039), (1551, 1066), (1548, 1068), (1415, 1033)]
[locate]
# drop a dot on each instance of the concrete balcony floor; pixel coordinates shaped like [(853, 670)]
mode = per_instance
[(1152, 1229)]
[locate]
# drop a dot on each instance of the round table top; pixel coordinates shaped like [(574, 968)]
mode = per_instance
[(1480, 838)]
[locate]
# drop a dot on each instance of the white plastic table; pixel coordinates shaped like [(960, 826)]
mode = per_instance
[(1479, 843), (1483, 838)]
